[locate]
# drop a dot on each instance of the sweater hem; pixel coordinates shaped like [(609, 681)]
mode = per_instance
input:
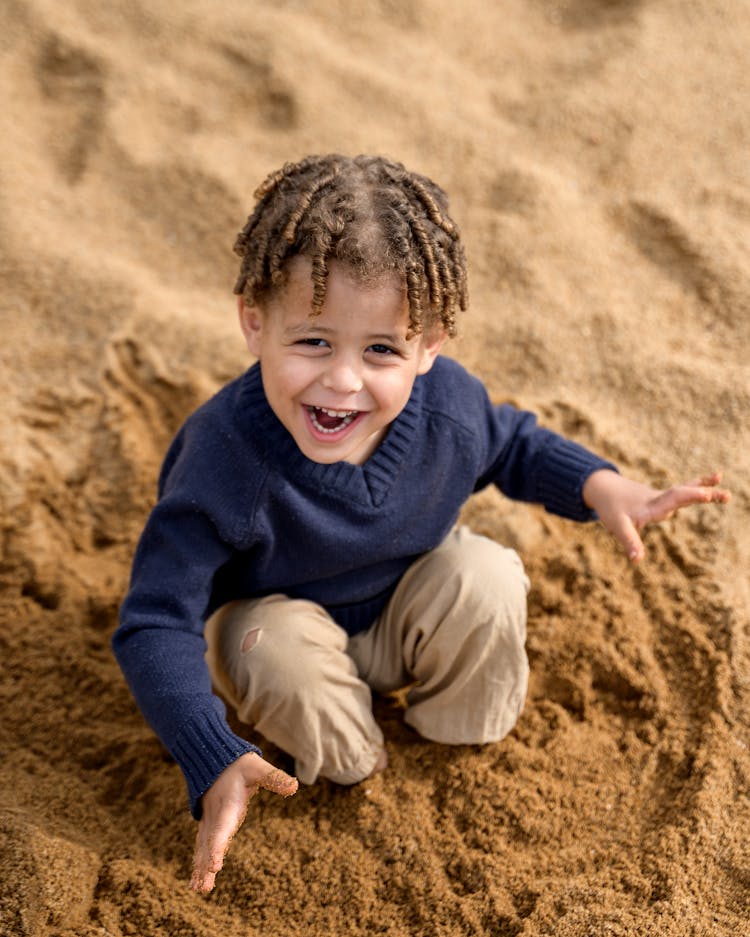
[(560, 487), (203, 749)]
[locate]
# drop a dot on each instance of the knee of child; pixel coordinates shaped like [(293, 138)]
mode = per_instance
[(271, 657), (488, 568), (510, 572), (494, 589), (474, 592), (292, 638)]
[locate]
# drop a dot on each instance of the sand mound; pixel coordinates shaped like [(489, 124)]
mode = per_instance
[(596, 154)]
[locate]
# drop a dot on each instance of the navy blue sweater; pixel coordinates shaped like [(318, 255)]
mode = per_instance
[(243, 513)]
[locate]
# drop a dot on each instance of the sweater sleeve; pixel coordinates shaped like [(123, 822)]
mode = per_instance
[(160, 646), (529, 463)]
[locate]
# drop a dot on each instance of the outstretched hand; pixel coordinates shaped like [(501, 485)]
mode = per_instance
[(625, 507), (224, 809)]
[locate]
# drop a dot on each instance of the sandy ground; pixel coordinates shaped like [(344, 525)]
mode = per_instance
[(597, 158)]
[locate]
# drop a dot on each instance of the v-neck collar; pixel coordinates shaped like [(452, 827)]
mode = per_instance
[(369, 482)]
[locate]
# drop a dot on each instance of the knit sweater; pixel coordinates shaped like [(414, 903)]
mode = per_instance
[(243, 513)]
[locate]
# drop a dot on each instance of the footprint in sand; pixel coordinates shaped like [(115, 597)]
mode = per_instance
[(272, 98), (513, 192), (666, 243), (74, 82), (595, 14)]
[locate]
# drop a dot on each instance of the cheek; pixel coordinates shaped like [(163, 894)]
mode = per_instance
[(295, 374), (393, 389)]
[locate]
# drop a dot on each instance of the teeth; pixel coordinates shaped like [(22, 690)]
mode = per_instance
[(339, 413), (346, 417)]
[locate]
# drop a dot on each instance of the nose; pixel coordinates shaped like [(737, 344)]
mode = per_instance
[(342, 376)]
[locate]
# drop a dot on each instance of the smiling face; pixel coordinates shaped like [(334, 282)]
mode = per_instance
[(336, 381)]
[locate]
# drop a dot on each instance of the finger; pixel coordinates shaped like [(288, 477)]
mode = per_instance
[(705, 481), (204, 883), (682, 496), (208, 861), (709, 483), (212, 843), (200, 877), (624, 530), (206, 866)]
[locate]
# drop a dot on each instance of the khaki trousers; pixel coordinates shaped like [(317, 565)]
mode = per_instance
[(454, 630)]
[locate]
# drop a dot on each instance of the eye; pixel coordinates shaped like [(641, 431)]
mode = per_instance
[(313, 342), (382, 350)]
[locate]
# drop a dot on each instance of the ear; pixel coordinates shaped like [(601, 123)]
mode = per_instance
[(432, 342), (251, 323)]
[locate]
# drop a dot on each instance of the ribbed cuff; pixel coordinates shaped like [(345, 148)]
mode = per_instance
[(566, 467), (203, 749)]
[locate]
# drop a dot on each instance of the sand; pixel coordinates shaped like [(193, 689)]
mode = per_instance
[(597, 158)]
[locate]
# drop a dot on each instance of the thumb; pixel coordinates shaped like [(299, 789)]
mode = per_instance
[(279, 782)]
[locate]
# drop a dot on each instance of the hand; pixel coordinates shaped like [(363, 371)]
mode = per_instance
[(224, 809), (625, 507)]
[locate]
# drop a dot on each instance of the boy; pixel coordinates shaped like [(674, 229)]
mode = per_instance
[(306, 514)]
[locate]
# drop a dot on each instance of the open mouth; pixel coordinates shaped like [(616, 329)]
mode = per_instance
[(331, 421)]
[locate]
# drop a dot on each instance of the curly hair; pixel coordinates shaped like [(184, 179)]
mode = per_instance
[(367, 212)]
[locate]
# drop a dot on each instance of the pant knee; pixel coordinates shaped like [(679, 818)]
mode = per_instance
[(485, 579), (288, 640), (482, 558)]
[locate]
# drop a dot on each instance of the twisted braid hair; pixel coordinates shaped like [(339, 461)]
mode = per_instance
[(368, 213)]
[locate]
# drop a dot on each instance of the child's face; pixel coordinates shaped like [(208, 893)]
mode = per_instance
[(336, 381)]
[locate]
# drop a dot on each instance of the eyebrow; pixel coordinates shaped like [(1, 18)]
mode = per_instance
[(391, 339)]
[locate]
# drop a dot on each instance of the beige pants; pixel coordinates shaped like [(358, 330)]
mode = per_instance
[(454, 628)]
